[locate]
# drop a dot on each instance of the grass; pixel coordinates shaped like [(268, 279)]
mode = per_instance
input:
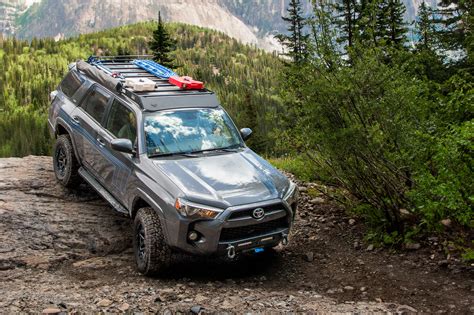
[(296, 165)]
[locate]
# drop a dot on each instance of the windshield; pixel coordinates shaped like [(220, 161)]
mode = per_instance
[(190, 130)]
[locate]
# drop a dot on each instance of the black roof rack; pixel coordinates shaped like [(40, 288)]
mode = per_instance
[(165, 95)]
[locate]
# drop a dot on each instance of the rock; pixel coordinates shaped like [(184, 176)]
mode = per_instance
[(196, 309), (446, 222), (124, 307), (412, 246), (309, 256), (317, 200), (352, 221), (199, 298), (302, 189), (51, 310), (227, 305), (404, 213), (363, 289), (356, 245), (348, 288), (443, 263), (104, 303), (370, 247), (165, 295), (403, 309)]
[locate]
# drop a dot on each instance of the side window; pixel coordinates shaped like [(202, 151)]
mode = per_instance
[(71, 83), (95, 104), (122, 122)]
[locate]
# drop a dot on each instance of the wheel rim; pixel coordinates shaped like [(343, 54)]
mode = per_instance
[(61, 161), (140, 242)]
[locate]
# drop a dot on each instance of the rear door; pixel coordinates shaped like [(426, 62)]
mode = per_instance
[(121, 122), (88, 119)]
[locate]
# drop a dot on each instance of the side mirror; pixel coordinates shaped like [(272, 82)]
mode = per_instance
[(245, 133), (122, 145)]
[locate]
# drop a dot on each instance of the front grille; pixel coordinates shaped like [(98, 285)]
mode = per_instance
[(242, 232), (248, 212)]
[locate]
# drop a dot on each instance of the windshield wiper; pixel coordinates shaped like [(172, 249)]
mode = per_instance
[(187, 154), (232, 148)]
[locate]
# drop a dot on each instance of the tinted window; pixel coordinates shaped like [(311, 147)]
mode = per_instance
[(122, 122), (95, 104), (71, 83)]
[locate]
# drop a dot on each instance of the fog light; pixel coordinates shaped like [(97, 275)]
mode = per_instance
[(193, 236)]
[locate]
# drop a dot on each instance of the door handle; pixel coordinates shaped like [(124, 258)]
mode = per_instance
[(76, 120), (101, 141)]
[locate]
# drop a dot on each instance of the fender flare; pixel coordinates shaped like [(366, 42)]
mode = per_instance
[(141, 194)]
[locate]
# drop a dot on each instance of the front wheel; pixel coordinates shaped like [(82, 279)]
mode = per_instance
[(65, 164), (152, 254)]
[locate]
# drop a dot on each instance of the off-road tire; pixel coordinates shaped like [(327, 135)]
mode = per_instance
[(153, 255), (65, 163)]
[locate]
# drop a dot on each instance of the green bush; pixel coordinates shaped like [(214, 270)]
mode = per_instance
[(361, 121)]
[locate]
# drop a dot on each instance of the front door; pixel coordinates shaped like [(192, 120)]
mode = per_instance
[(120, 123)]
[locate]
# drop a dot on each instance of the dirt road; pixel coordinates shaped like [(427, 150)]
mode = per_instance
[(69, 251)]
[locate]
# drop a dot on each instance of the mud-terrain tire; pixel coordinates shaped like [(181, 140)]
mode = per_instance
[(65, 163), (152, 253)]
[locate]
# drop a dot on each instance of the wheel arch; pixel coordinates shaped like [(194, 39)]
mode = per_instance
[(137, 204), (142, 199)]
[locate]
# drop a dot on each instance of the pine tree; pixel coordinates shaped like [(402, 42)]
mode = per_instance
[(390, 27), (367, 22), (162, 44), (346, 15), (424, 27), (296, 41), (456, 19)]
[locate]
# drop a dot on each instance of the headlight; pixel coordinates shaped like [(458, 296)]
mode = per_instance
[(193, 210), (292, 194)]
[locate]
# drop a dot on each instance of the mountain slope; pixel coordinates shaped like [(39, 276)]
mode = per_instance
[(77, 16), (251, 21)]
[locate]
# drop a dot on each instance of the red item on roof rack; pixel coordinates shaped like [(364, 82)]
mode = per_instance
[(186, 83)]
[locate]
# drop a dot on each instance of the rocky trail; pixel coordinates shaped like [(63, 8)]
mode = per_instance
[(68, 251)]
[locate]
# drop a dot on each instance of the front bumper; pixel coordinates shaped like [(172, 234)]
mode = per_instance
[(234, 227)]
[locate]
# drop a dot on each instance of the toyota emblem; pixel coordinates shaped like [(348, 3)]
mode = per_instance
[(258, 213)]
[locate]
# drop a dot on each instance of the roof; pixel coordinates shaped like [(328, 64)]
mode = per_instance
[(165, 96)]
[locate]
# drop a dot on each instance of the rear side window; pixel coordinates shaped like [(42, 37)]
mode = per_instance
[(122, 122), (95, 104), (71, 83)]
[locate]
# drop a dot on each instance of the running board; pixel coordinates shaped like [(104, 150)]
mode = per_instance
[(102, 191)]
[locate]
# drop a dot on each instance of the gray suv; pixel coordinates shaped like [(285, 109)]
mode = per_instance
[(172, 160)]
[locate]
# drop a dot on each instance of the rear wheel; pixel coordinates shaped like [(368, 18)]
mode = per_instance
[(65, 164), (152, 254)]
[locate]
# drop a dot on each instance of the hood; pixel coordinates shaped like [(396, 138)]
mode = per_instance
[(225, 180)]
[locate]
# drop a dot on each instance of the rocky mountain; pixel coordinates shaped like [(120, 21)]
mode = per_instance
[(10, 10), (251, 21)]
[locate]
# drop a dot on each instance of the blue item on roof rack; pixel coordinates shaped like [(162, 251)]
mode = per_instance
[(92, 60), (155, 68)]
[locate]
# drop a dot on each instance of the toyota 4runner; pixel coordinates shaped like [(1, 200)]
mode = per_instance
[(169, 158)]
